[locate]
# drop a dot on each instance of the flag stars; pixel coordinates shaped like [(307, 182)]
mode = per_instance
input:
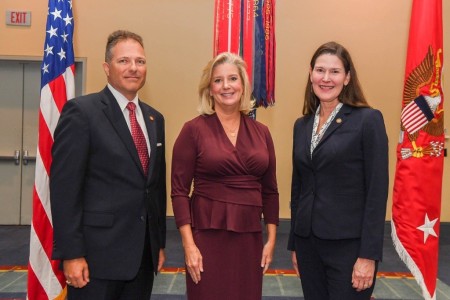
[(48, 50), (56, 14), (52, 31), (68, 20), (58, 48), (62, 54), (64, 37), (45, 68), (428, 228)]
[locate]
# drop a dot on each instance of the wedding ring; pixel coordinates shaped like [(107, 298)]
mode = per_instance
[(68, 282)]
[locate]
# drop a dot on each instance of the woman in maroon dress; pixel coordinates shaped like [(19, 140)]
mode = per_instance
[(228, 160)]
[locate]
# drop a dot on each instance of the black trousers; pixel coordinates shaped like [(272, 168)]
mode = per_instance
[(139, 288), (326, 268)]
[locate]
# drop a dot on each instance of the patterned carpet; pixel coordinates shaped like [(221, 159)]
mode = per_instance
[(280, 283)]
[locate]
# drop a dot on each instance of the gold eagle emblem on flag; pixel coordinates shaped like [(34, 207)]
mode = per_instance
[(421, 112)]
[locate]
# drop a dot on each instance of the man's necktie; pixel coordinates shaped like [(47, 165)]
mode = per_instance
[(138, 137)]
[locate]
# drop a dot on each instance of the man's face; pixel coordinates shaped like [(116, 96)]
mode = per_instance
[(127, 69)]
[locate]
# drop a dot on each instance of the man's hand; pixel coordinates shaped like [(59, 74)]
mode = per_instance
[(76, 272), (294, 263)]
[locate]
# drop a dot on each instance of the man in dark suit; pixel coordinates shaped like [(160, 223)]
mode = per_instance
[(107, 183)]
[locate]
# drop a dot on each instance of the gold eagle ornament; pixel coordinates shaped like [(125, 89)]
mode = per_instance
[(432, 118)]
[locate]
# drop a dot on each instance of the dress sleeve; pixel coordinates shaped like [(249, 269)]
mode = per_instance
[(183, 168), (270, 196)]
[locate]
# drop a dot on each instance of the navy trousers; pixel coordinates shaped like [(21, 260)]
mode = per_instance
[(326, 268)]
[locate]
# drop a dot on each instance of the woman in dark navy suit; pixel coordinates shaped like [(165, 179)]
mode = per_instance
[(339, 182)]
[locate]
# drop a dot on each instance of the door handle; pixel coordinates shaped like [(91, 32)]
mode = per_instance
[(26, 158), (15, 157)]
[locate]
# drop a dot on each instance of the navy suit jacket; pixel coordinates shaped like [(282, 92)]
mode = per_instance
[(101, 201), (341, 192)]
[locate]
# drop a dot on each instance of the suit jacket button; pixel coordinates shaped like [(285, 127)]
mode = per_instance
[(142, 218)]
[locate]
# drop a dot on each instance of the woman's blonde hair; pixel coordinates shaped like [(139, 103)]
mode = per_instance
[(206, 106)]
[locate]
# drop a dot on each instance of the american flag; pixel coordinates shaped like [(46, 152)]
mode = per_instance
[(45, 280), (416, 115)]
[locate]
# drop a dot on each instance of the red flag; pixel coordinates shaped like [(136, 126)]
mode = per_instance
[(45, 280), (227, 25), (247, 35), (418, 180)]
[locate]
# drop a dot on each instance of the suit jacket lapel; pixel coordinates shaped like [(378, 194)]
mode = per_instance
[(338, 121), (115, 115), (150, 123), (309, 128)]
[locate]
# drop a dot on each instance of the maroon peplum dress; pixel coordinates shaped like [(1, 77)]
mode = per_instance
[(233, 187)]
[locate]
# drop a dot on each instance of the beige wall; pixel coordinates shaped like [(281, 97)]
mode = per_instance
[(178, 37)]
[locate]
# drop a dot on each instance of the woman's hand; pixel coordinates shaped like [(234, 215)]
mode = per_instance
[(192, 255), (194, 262), (267, 255), (363, 272), (269, 247)]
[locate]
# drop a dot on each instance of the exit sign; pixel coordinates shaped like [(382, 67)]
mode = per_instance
[(18, 18)]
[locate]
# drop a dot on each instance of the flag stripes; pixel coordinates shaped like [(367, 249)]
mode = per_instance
[(416, 115)]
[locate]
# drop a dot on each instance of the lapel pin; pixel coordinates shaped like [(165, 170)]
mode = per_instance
[(339, 120), (151, 118)]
